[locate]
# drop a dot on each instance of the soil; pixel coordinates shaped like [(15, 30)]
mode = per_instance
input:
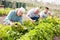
[(1, 19), (56, 38)]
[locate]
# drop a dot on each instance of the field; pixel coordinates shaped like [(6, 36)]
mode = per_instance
[(46, 29), (41, 30)]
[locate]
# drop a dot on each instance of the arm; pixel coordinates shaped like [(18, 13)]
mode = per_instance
[(41, 15), (50, 14), (28, 15), (8, 18)]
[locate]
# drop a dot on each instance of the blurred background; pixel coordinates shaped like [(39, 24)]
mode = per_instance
[(54, 5), (7, 5)]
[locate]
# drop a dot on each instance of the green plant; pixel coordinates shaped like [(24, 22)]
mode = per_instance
[(4, 11), (46, 30)]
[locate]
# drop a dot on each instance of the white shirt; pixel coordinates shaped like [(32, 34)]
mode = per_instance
[(43, 15), (31, 13)]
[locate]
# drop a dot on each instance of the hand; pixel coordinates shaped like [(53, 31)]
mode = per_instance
[(4, 23), (33, 21), (11, 23)]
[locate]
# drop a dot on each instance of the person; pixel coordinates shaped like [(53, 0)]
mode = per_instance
[(14, 16), (45, 13), (33, 14)]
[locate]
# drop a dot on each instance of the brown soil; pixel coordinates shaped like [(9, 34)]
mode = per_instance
[(1, 19)]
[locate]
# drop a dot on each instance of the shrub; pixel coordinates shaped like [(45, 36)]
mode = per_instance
[(4, 11), (46, 30)]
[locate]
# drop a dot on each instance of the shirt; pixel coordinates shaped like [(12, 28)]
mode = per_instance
[(31, 13), (12, 16), (43, 15)]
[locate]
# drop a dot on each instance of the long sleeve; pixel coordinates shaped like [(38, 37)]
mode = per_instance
[(8, 18)]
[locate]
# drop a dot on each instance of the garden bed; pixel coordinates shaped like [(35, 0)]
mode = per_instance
[(46, 29)]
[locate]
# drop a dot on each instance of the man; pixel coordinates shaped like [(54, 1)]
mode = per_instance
[(45, 13), (33, 14), (14, 16)]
